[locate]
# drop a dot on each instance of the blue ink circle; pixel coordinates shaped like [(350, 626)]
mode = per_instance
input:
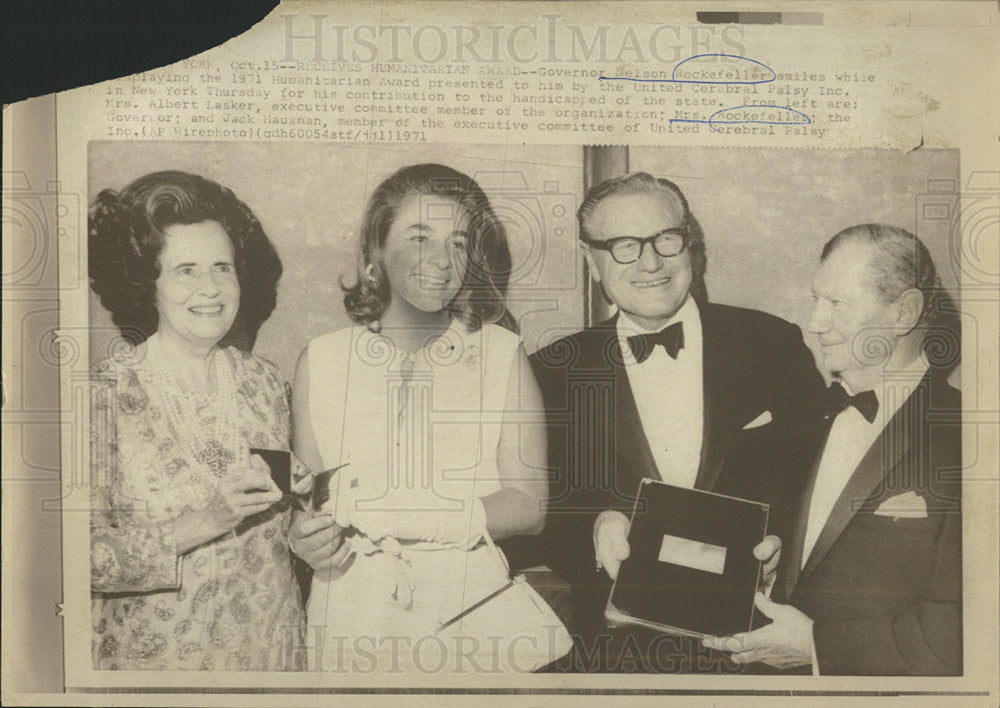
[(674, 80), (712, 122), (673, 74)]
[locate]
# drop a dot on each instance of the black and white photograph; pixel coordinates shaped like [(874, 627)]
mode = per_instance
[(328, 317), (530, 352)]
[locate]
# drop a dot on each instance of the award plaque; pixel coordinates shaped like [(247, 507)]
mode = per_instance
[(691, 569)]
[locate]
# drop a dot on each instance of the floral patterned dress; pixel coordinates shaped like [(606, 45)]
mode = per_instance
[(229, 604)]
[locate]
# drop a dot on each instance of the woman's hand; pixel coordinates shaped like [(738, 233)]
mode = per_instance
[(241, 495), (316, 539), (302, 481), (458, 527)]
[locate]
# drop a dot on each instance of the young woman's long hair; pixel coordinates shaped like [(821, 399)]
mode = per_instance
[(481, 299)]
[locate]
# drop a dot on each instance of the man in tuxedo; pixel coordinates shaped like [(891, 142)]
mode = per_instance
[(672, 388), (872, 572)]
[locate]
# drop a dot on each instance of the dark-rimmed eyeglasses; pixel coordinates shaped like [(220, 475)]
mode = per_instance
[(627, 249)]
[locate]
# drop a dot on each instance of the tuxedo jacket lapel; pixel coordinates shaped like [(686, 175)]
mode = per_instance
[(882, 456), (634, 456), (630, 448), (718, 362), (796, 544)]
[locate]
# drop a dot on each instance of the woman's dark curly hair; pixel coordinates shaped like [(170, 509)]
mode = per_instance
[(481, 298), (126, 234)]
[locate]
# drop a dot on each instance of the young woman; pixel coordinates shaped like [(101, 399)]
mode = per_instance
[(428, 407)]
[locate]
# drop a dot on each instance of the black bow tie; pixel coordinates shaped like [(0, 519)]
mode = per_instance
[(838, 400), (671, 339)]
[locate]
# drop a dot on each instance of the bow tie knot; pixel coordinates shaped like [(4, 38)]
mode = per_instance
[(838, 399), (670, 338)]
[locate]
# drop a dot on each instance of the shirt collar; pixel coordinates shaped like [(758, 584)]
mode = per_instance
[(895, 387), (688, 314)]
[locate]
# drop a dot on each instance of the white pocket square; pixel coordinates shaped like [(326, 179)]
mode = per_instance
[(763, 419), (903, 506)]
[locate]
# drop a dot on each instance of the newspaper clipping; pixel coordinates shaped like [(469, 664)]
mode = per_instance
[(369, 325)]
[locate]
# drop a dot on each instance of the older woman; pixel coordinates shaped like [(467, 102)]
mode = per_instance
[(190, 567)]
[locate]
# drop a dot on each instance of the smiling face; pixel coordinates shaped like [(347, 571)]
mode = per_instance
[(856, 328), (425, 254), (197, 293), (653, 288)]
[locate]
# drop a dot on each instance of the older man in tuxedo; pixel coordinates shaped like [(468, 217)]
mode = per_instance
[(872, 572), (672, 388)]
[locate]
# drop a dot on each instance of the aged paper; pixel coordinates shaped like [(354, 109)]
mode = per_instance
[(782, 124)]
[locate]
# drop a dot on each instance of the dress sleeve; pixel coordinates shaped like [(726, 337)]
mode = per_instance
[(129, 552)]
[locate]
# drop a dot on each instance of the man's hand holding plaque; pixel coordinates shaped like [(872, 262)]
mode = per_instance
[(611, 548), (611, 541), (785, 643), (688, 562)]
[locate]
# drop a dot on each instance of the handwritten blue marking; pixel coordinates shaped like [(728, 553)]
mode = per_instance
[(674, 80), (712, 122)]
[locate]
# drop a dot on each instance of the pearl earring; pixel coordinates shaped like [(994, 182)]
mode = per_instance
[(370, 273)]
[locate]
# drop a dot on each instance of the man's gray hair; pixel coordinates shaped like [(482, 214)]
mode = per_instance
[(899, 262)]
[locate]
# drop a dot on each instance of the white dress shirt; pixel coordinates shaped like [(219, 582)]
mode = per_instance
[(668, 395), (850, 437)]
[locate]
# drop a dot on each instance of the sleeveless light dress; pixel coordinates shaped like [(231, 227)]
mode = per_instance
[(416, 434)]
